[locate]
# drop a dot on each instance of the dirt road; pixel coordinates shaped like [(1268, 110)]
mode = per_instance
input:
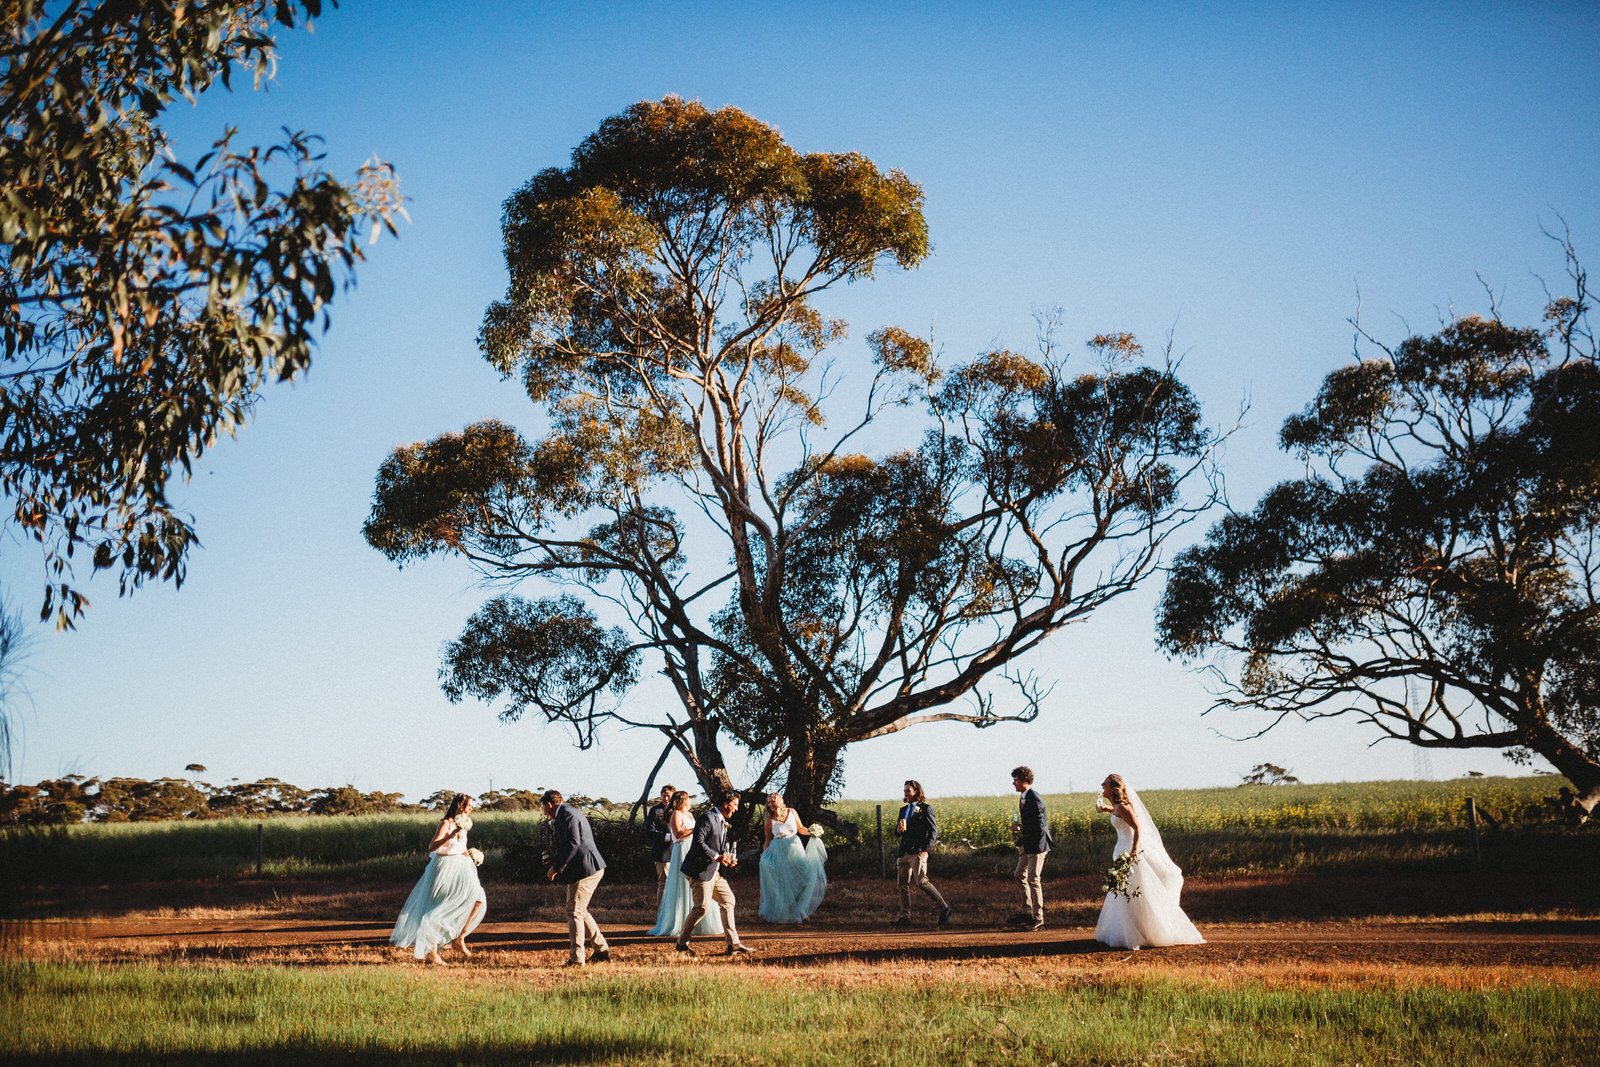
[(1563, 944)]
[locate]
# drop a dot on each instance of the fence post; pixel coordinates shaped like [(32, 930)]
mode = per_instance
[(883, 868), (1472, 823), (261, 830)]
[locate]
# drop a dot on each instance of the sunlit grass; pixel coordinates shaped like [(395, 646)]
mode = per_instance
[(347, 1014)]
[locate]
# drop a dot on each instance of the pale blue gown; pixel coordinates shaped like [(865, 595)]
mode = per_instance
[(439, 908), (675, 900), (793, 880)]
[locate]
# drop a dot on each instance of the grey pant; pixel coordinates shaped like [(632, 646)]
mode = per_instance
[(579, 922), (704, 894), (911, 871), (1029, 867)]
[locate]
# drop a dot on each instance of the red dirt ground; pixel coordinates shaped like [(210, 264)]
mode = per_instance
[(309, 922)]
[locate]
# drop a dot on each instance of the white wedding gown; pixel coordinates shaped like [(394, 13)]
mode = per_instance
[(1153, 917)]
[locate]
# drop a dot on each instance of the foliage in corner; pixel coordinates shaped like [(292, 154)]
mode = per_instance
[(144, 300)]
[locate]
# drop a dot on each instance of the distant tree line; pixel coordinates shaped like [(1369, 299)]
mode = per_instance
[(76, 799)]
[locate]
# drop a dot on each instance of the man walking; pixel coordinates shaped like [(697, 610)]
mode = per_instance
[(655, 828), (703, 863), (1032, 828), (918, 829), (578, 865)]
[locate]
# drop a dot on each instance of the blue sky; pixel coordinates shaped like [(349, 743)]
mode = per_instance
[(1238, 174)]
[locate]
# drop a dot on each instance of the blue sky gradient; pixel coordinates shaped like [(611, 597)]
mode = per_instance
[(1240, 175)]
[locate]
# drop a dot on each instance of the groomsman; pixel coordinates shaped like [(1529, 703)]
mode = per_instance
[(703, 864), (1032, 828), (918, 829), (655, 828), (578, 865)]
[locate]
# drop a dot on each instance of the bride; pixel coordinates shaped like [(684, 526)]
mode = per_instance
[(1152, 917), (792, 875), (675, 899), (448, 902)]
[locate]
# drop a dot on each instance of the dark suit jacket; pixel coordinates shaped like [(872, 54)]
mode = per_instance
[(655, 828), (574, 856), (1035, 826), (709, 842), (922, 828)]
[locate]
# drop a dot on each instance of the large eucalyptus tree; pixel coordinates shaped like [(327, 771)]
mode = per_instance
[(799, 595)]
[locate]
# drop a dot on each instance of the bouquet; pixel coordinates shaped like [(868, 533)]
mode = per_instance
[(815, 830), (477, 856), (463, 822), (1116, 878)]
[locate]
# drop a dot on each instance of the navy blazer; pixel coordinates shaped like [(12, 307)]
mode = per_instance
[(1035, 825), (574, 857), (710, 841), (655, 828), (922, 828)]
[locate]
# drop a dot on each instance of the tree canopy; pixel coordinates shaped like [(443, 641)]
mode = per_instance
[(700, 483), (145, 300), (1435, 571)]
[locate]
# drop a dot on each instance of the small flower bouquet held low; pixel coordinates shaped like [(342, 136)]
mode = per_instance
[(463, 822), (815, 829), (477, 856), (1116, 879)]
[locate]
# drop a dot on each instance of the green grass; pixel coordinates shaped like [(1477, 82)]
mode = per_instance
[(355, 847), (1395, 805), (1209, 831), (1251, 829), (76, 1013)]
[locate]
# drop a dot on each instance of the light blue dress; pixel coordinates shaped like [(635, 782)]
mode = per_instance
[(675, 900), (793, 880), (439, 908)]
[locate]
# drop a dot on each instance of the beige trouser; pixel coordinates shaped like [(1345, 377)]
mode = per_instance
[(911, 871), (703, 894), (662, 867), (579, 921), (1029, 866)]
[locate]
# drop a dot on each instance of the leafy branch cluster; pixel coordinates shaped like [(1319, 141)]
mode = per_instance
[(145, 300)]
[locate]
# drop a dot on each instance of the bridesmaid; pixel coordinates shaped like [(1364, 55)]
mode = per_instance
[(792, 876), (448, 902)]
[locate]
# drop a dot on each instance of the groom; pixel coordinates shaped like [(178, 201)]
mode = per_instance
[(708, 854), (578, 865)]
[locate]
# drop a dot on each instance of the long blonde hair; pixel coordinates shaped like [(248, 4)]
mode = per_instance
[(1119, 789)]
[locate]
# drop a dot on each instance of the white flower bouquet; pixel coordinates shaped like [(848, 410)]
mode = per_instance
[(1116, 877), (477, 856), (464, 822), (815, 829)]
